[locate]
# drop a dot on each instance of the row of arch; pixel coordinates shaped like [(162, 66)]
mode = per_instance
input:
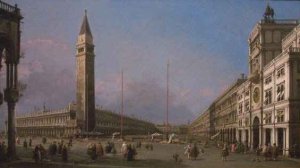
[(229, 135)]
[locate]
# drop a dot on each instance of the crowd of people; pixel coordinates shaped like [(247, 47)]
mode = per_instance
[(128, 151)]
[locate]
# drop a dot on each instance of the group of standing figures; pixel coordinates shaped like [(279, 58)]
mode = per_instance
[(269, 152), (40, 153), (128, 151), (192, 152)]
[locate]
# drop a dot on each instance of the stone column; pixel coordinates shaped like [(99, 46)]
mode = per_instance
[(11, 95)]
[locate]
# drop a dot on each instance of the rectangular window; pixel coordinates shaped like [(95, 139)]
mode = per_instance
[(247, 105), (268, 80), (280, 116), (268, 96), (280, 92), (240, 108), (80, 50), (247, 93), (298, 84), (298, 66), (246, 122), (268, 118), (280, 72), (240, 96)]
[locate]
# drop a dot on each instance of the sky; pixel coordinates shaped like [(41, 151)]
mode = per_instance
[(205, 42)]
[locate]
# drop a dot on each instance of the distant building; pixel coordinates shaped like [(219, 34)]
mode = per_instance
[(265, 106), (62, 123), (220, 117), (177, 129), (82, 116)]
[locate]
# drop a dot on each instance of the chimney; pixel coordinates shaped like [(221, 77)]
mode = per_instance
[(242, 76)]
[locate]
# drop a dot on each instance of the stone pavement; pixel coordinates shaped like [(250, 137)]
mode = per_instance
[(161, 156)]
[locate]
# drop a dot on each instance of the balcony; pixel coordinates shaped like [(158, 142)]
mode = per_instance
[(8, 8), (280, 21), (294, 50)]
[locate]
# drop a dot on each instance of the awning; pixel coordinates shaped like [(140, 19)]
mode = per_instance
[(215, 136)]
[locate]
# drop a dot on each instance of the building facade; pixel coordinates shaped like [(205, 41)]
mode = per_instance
[(63, 123), (108, 122), (267, 102), (221, 116)]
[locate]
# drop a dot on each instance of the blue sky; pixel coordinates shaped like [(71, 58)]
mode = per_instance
[(205, 41)]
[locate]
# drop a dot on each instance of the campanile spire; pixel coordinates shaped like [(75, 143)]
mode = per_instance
[(85, 90)]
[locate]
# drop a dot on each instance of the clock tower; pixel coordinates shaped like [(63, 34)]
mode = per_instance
[(85, 90), (264, 45)]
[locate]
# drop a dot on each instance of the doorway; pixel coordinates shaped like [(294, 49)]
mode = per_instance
[(268, 136), (255, 132), (280, 137)]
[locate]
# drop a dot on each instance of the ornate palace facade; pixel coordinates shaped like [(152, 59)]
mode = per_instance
[(266, 105)]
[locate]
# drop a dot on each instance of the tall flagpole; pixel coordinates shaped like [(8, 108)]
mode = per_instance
[(122, 108), (167, 112)]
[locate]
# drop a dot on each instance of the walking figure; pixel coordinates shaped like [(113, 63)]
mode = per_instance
[(65, 153), (274, 152), (194, 152), (225, 152), (188, 151), (258, 152), (25, 144), (30, 142), (37, 154), (99, 150)]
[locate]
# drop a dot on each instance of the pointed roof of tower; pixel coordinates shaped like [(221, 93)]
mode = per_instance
[(85, 27)]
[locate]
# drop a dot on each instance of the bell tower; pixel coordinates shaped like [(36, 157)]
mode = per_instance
[(85, 90)]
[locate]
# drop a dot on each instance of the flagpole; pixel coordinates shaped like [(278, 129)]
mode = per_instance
[(167, 109), (122, 106)]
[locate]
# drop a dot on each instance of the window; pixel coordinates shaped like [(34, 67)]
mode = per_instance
[(268, 80), (268, 118), (240, 108), (240, 96), (298, 84), (298, 66), (280, 116), (240, 123), (268, 96), (280, 72), (247, 105), (80, 50), (280, 92), (246, 122), (247, 93)]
